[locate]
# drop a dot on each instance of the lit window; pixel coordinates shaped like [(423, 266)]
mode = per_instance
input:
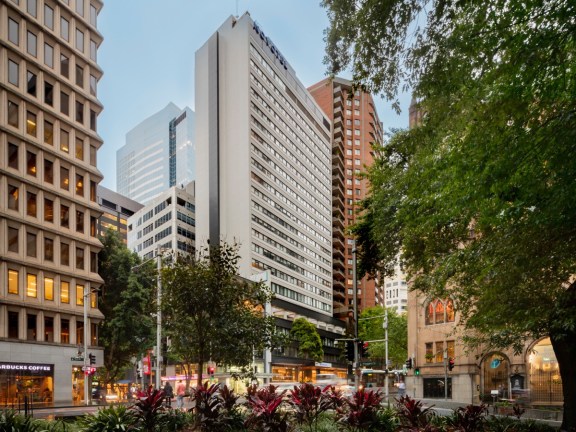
[(64, 216), (13, 195), (48, 210), (31, 123), (64, 141), (80, 295), (31, 204), (64, 178), (64, 292), (13, 279), (31, 163), (49, 289), (31, 285), (79, 185)]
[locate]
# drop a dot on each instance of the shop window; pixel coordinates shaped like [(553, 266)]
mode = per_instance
[(64, 216), (49, 289), (31, 204), (48, 329), (48, 210), (13, 114), (31, 164), (48, 171), (31, 285), (31, 327), (12, 156), (434, 388), (48, 133), (49, 249), (80, 295), (79, 185), (65, 292), (80, 258), (13, 282), (64, 331), (64, 178), (13, 324), (79, 221), (12, 239)]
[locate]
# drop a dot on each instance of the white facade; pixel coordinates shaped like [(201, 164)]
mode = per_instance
[(166, 222), (264, 164), (396, 291), (158, 154)]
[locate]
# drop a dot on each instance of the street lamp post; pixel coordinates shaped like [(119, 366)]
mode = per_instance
[(159, 320), (86, 295), (356, 365), (385, 325)]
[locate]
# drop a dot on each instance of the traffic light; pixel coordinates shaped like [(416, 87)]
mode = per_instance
[(364, 349), (417, 371), (92, 358), (350, 350), (409, 363), (451, 363), (211, 371)]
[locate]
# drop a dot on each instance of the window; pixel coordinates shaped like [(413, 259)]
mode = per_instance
[(12, 239), (48, 93), (64, 66), (13, 114), (79, 332), (80, 295), (450, 315), (80, 7), (48, 132), (31, 123), (93, 84), (93, 15), (48, 55), (13, 195), (94, 263), (13, 73), (79, 149), (92, 226), (48, 329), (48, 171), (429, 352), (79, 40), (79, 76), (439, 352), (64, 331), (48, 210), (13, 282), (31, 245), (64, 103), (64, 254), (64, 141), (79, 112), (13, 31), (93, 155), (49, 289), (31, 204), (13, 327), (49, 17), (31, 44), (31, 7), (31, 285), (64, 216), (80, 258), (64, 29), (93, 120), (439, 312), (12, 156), (31, 163), (64, 292), (80, 221), (31, 327), (79, 185), (93, 50), (64, 178), (49, 249), (93, 191)]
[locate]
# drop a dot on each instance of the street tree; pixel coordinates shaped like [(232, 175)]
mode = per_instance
[(212, 314), (308, 339), (371, 328), (478, 199), (125, 299)]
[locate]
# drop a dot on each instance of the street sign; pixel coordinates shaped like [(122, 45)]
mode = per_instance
[(77, 359), (85, 368)]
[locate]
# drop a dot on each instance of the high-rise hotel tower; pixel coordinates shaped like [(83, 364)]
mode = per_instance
[(48, 206), (264, 170)]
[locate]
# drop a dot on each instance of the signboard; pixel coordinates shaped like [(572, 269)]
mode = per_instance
[(495, 363), (78, 359), (323, 364), (34, 368)]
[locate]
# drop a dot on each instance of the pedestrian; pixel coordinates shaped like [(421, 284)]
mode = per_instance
[(169, 394), (401, 388), (180, 392)]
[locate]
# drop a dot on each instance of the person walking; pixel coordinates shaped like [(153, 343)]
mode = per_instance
[(180, 392), (169, 394), (401, 388)]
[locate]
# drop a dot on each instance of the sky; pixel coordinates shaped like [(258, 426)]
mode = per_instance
[(148, 57)]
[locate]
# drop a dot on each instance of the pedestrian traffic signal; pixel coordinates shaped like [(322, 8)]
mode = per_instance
[(92, 358), (364, 349), (417, 371), (211, 370), (450, 363), (409, 363)]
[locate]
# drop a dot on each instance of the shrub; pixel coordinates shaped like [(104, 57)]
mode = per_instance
[(216, 408), (412, 414), (309, 402), (468, 419), (265, 410), (360, 411), (113, 418), (149, 411), (176, 420), (10, 420)]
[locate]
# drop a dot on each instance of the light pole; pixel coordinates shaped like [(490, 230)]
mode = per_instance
[(159, 320), (86, 295), (385, 325), (356, 366)]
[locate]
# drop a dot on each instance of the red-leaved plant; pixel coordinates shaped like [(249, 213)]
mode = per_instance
[(469, 418), (149, 411), (360, 412), (309, 402), (265, 410), (412, 414), (216, 408)]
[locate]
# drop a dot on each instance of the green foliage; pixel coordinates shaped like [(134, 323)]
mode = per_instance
[(360, 411), (210, 313), (149, 411), (216, 408), (12, 421), (115, 418), (126, 300), (265, 410), (309, 403), (370, 327), (308, 338), (176, 420)]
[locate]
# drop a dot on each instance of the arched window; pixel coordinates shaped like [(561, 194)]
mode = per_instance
[(430, 313), (450, 315), (439, 312)]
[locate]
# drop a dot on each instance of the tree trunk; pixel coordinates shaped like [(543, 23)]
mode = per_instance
[(563, 338), (200, 369)]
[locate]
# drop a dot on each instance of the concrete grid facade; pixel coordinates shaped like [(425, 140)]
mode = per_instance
[(48, 208), (116, 209)]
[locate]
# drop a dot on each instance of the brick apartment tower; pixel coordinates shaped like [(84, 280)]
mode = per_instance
[(356, 126)]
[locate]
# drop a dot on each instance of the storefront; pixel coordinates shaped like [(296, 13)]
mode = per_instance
[(26, 381)]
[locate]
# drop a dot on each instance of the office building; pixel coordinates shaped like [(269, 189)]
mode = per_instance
[(158, 154), (48, 208), (264, 173), (356, 127), (168, 221), (396, 291), (116, 209)]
